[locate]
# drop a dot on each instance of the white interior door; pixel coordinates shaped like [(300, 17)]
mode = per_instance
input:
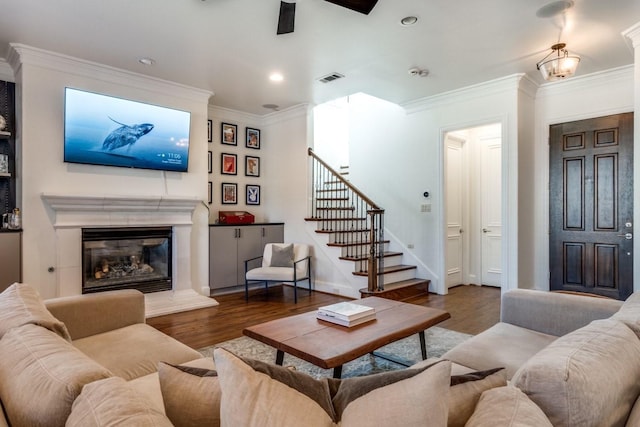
[(491, 210), (455, 208)]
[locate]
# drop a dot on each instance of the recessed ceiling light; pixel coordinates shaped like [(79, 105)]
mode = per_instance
[(147, 61), (273, 107), (276, 77), (408, 20)]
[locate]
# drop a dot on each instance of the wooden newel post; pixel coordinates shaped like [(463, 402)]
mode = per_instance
[(373, 259)]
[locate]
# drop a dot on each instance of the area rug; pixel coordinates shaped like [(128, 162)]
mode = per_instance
[(439, 341), (169, 302)]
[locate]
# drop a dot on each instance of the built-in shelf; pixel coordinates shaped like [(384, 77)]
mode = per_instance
[(5, 175), (4, 134)]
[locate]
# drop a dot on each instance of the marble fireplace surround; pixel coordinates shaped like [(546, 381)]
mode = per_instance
[(71, 213)]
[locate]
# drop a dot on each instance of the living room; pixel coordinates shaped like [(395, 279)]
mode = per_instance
[(396, 134)]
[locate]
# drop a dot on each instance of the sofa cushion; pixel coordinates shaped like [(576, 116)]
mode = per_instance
[(256, 393), (465, 391), (497, 347), (507, 407), (586, 378), (112, 402), (629, 313), (135, 350), (21, 304), (191, 395), (41, 375)]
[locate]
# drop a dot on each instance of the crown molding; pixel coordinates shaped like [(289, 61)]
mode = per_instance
[(290, 113), (233, 115), (622, 74), (20, 55), (481, 90), (633, 34)]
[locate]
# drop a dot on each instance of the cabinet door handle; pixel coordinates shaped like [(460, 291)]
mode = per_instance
[(239, 233), (263, 232)]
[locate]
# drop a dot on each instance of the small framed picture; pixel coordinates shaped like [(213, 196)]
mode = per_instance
[(4, 163), (210, 130), (210, 192), (253, 195), (253, 138), (229, 134), (251, 166), (228, 164), (229, 193), (210, 159)]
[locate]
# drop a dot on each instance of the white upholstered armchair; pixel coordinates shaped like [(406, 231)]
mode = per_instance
[(281, 263)]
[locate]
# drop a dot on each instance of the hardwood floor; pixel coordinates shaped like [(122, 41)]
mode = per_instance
[(473, 309)]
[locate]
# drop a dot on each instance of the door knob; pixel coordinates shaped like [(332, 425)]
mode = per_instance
[(627, 236), (485, 230)]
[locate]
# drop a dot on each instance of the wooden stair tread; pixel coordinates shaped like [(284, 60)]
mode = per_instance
[(400, 291), (365, 257), (336, 219), (363, 230), (388, 270), (345, 245)]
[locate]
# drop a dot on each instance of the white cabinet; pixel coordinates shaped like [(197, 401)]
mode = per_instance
[(231, 245), (10, 258)]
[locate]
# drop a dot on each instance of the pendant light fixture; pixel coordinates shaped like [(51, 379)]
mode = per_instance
[(558, 64)]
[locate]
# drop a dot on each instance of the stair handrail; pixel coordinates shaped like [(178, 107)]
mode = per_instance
[(374, 217), (344, 181)]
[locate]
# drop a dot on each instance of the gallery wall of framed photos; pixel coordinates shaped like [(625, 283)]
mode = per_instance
[(235, 166)]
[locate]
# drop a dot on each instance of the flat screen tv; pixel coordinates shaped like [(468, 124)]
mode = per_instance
[(110, 131)]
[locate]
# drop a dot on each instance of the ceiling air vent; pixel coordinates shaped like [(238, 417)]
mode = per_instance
[(330, 77)]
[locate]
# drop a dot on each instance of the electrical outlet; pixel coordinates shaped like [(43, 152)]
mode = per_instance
[(425, 207)]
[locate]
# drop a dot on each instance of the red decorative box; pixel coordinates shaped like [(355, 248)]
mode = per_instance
[(235, 217)]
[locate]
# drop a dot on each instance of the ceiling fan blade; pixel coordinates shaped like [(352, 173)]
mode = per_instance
[(287, 17), (362, 6)]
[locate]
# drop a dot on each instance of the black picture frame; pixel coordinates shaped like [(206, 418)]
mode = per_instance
[(252, 194), (210, 192), (210, 130), (252, 138), (251, 166), (228, 164), (228, 133), (210, 161), (229, 193)]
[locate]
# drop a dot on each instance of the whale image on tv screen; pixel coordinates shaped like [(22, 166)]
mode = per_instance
[(105, 130)]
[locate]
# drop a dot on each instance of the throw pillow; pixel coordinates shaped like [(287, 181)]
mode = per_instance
[(465, 392), (191, 395), (259, 394), (113, 402), (282, 256), (21, 304), (41, 375), (509, 407), (588, 377)]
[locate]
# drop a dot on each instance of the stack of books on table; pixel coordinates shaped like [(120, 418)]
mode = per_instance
[(346, 313)]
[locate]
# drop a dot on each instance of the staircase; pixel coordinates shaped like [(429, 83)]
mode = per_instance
[(352, 223)]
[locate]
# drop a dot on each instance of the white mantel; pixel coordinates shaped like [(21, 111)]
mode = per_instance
[(70, 213)]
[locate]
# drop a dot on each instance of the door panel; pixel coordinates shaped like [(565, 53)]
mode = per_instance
[(455, 211), (591, 206), (491, 188)]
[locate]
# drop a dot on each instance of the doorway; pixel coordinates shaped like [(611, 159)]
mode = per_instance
[(473, 206), (591, 206)]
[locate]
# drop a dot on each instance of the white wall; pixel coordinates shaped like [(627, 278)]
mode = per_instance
[(41, 78), (579, 98)]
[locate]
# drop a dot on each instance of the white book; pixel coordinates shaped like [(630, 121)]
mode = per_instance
[(348, 323), (346, 310)]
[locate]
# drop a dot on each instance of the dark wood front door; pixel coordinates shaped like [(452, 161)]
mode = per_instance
[(591, 206)]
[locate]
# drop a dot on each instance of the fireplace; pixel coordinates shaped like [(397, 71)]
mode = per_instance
[(126, 258)]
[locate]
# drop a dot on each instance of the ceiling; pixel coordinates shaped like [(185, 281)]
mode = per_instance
[(230, 46)]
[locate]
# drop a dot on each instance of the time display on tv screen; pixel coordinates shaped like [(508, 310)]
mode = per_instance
[(105, 130)]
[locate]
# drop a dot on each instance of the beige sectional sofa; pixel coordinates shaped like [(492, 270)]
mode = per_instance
[(90, 360)]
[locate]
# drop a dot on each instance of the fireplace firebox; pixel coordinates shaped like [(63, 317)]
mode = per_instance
[(126, 258)]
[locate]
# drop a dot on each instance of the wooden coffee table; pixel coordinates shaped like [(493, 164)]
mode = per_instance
[(328, 345)]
